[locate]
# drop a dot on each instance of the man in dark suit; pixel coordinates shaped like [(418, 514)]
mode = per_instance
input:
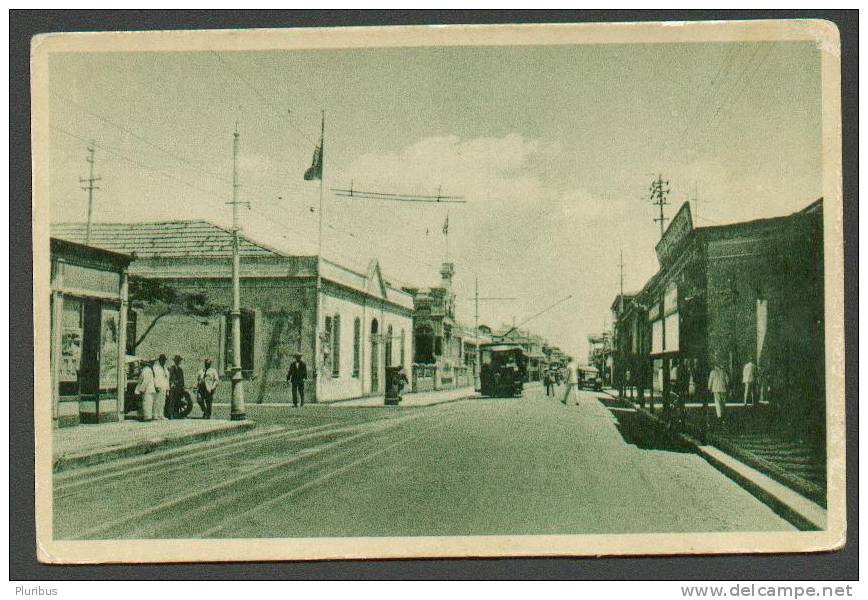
[(296, 376), (176, 388)]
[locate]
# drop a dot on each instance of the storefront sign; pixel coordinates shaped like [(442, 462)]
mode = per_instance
[(679, 228), (85, 279)]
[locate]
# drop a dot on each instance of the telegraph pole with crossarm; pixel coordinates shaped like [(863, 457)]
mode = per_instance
[(89, 188), (659, 189)]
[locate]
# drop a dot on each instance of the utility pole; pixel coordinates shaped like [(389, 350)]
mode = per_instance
[(617, 342), (89, 188), (237, 412), (659, 189), (621, 266), (476, 300), (695, 200)]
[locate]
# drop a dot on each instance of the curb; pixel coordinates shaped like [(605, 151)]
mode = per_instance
[(801, 512), (341, 403), (72, 461)]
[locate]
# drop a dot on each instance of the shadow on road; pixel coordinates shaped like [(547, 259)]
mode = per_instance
[(639, 430)]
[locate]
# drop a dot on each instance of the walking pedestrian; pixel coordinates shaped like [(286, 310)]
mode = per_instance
[(550, 382), (571, 383), (176, 387), (206, 384), (718, 383), (748, 378), (161, 382), (295, 376), (148, 392)]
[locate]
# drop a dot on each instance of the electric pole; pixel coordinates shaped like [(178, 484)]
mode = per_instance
[(89, 188), (237, 412), (476, 300), (659, 190), (695, 200)]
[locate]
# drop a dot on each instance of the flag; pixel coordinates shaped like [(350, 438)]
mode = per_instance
[(446, 226), (315, 169)]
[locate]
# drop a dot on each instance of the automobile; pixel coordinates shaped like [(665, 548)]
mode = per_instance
[(589, 378)]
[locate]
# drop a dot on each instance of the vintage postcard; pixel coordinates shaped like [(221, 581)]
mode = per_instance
[(461, 291)]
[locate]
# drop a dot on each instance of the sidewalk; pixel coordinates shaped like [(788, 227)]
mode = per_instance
[(91, 444), (740, 453), (413, 400), (753, 436)]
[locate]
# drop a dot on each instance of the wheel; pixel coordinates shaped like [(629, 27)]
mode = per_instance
[(183, 406)]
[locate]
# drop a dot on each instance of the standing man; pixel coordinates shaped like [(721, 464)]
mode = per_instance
[(176, 387), (550, 382), (748, 378), (295, 376), (571, 383), (718, 382), (206, 384), (161, 382), (145, 388)]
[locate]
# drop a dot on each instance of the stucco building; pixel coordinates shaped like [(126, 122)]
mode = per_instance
[(366, 323)]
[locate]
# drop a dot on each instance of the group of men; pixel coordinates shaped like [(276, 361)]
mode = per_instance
[(161, 390), (684, 384)]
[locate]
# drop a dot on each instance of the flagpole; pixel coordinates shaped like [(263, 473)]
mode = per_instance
[(317, 330), (446, 233)]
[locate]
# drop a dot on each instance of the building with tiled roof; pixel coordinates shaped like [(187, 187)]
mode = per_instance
[(365, 323)]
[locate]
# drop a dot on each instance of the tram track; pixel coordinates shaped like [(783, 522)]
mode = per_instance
[(73, 481), (171, 516)]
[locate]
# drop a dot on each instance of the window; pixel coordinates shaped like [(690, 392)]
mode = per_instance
[(336, 346), (389, 346), (657, 337), (401, 358), (357, 346), (671, 332), (248, 336)]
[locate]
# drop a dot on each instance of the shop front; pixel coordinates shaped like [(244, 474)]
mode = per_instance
[(88, 333)]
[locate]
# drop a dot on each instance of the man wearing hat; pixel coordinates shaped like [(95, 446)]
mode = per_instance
[(296, 376), (176, 387)]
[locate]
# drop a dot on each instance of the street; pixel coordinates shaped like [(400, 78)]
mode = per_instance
[(474, 467)]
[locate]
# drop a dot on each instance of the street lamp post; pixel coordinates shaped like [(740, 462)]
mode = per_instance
[(237, 412)]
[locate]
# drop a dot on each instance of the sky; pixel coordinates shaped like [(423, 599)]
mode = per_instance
[(552, 147)]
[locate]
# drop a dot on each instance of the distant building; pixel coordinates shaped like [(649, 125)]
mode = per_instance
[(600, 354), (444, 350), (366, 324), (88, 333)]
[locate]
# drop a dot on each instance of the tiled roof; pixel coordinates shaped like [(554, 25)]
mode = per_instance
[(167, 239)]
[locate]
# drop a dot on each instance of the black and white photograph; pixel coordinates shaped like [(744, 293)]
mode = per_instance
[(421, 292)]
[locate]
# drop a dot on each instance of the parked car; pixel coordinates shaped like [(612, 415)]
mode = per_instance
[(589, 378)]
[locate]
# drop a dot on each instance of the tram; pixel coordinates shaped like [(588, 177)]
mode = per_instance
[(504, 370)]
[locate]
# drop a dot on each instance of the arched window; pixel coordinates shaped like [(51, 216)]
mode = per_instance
[(389, 346), (401, 357), (336, 347), (375, 357), (357, 346)]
